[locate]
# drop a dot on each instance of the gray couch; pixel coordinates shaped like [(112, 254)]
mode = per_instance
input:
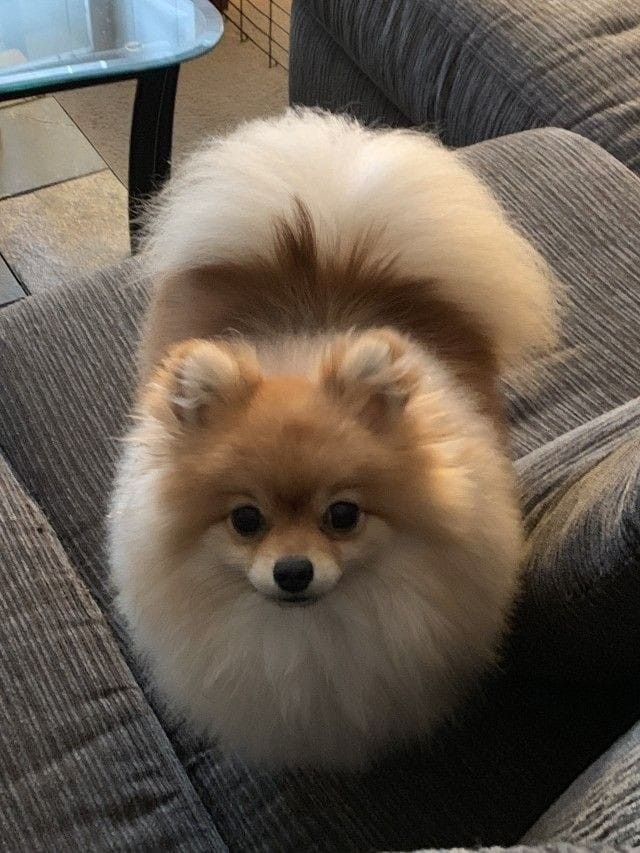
[(546, 753)]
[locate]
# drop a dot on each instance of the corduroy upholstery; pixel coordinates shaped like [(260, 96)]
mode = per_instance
[(475, 69)]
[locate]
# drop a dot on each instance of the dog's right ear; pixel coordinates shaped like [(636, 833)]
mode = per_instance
[(375, 373), (200, 376)]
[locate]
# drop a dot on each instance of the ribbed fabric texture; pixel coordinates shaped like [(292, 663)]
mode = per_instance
[(546, 848), (67, 372), (603, 804), (84, 763), (68, 369), (477, 69), (343, 87), (582, 577)]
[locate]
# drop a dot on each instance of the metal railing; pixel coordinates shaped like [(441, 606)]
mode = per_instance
[(266, 24)]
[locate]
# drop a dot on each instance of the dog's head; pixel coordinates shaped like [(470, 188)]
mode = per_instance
[(292, 482), (291, 549)]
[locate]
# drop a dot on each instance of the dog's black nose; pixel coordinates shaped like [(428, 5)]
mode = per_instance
[(293, 574)]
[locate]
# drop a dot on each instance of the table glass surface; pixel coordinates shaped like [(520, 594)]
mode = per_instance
[(49, 43)]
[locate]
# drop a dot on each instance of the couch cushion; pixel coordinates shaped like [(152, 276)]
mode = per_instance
[(67, 369), (604, 803), (84, 763), (580, 614), (476, 69)]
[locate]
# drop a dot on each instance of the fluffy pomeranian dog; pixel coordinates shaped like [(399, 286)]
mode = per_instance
[(314, 533)]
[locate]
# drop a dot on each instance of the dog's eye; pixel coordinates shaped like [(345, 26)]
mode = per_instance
[(247, 520), (342, 516)]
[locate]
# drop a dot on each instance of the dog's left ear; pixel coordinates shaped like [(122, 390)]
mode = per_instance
[(374, 373)]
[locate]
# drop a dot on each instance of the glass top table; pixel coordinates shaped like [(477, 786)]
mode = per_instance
[(51, 45)]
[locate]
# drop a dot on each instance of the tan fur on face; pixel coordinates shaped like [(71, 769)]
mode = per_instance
[(366, 421)]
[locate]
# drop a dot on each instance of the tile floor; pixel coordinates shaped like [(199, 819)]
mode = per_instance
[(60, 232), (63, 200), (10, 290), (41, 146), (62, 211)]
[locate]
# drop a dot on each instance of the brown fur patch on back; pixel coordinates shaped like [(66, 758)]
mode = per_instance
[(295, 292)]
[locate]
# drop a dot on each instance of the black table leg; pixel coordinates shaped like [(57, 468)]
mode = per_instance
[(151, 136)]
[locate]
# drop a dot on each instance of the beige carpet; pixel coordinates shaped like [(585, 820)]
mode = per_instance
[(215, 93)]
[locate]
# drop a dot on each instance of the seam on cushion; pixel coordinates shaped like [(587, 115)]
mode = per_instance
[(357, 65), (589, 115), (461, 38), (78, 578)]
